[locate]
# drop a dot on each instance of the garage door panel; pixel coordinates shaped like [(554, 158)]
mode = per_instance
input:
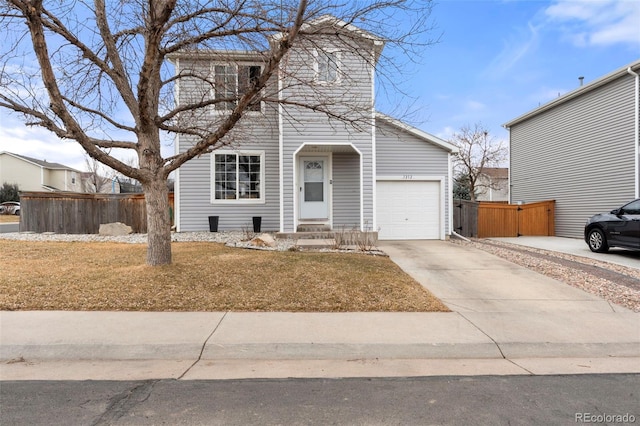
[(408, 210)]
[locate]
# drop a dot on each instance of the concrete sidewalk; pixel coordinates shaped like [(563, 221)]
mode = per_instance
[(505, 320)]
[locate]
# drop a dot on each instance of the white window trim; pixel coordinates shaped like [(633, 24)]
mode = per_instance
[(238, 201), (212, 72), (316, 67)]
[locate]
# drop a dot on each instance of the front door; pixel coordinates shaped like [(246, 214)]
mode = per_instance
[(314, 203)]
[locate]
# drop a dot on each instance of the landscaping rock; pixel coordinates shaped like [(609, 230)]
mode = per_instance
[(263, 240), (115, 229)]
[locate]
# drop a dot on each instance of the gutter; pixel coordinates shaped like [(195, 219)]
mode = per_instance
[(636, 130)]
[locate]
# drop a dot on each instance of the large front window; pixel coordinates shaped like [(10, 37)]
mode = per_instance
[(238, 176), (231, 82)]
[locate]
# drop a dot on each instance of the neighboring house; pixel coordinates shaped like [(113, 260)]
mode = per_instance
[(94, 183), (31, 174), (580, 149), (296, 168), (493, 184)]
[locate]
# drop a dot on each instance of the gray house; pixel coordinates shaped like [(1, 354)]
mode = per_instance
[(299, 168), (580, 149)]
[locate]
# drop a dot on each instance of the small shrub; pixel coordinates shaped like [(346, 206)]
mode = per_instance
[(9, 192)]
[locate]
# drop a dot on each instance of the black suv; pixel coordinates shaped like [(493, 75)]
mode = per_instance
[(618, 228)]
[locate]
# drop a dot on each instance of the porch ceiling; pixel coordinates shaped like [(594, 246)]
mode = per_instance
[(328, 148)]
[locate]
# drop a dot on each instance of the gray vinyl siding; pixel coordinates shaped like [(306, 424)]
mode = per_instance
[(400, 153), (351, 98), (195, 182), (579, 153), (255, 132), (346, 191)]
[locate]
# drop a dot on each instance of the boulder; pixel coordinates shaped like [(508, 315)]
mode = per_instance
[(263, 240), (115, 229)]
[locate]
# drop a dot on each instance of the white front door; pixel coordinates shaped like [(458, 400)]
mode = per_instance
[(314, 188)]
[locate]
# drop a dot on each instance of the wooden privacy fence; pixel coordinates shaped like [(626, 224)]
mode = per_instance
[(82, 213), (465, 218), (505, 220)]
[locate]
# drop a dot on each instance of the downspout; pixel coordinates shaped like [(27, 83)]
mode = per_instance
[(636, 130), (450, 195), (374, 158), (281, 154)]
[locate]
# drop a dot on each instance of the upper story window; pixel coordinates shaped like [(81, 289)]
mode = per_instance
[(231, 82), (238, 176), (327, 66)]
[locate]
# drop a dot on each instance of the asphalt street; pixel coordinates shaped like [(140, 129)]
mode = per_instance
[(9, 227), (480, 400)]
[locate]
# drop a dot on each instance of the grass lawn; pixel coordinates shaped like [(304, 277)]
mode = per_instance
[(203, 277), (9, 218)]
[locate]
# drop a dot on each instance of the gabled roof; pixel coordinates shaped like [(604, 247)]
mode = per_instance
[(334, 24), (634, 66), (417, 132), (319, 24), (40, 163), (496, 172), (330, 21)]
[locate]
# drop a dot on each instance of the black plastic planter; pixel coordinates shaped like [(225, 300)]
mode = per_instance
[(257, 223), (213, 223)]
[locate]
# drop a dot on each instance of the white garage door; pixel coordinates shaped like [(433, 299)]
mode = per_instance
[(408, 210)]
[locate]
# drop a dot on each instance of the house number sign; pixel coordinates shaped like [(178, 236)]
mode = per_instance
[(407, 177)]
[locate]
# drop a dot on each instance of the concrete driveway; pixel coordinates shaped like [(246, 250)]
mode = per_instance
[(577, 247), (516, 306), (471, 280)]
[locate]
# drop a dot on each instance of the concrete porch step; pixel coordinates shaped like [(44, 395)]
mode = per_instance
[(314, 228), (305, 235), (348, 237), (315, 243)]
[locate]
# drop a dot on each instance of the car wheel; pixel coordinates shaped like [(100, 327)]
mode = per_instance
[(597, 241)]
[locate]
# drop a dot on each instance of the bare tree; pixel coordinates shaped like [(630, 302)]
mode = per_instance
[(98, 178), (99, 73), (478, 150)]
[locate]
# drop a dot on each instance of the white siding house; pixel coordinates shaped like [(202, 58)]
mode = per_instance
[(580, 149), (31, 174), (294, 166)]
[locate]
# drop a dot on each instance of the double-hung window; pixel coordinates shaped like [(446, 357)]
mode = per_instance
[(231, 81), (238, 176), (327, 66)]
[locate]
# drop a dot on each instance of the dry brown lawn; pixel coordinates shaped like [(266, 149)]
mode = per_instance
[(9, 218), (203, 277)]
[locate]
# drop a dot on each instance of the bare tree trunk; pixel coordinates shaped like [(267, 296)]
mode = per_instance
[(158, 223)]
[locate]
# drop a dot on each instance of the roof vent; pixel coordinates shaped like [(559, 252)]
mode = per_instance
[(581, 78)]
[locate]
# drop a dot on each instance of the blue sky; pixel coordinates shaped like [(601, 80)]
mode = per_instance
[(495, 61)]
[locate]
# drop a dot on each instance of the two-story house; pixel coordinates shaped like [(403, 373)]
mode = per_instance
[(493, 184), (314, 153), (31, 174), (581, 149)]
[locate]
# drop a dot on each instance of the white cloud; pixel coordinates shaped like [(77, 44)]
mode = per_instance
[(446, 133), (41, 144), (474, 105), (515, 48), (597, 22)]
